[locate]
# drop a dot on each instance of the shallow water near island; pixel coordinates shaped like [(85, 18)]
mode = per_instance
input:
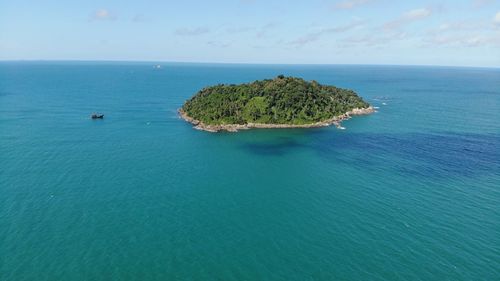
[(411, 192)]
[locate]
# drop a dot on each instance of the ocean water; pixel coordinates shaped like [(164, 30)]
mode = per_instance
[(411, 192)]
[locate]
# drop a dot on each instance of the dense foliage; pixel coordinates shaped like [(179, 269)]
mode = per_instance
[(283, 100)]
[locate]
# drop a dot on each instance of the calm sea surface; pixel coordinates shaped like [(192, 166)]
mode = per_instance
[(409, 193)]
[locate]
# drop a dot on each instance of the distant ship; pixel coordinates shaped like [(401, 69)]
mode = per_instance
[(157, 66), (97, 116)]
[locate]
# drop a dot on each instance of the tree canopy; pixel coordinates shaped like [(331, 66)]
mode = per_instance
[(282, 100)]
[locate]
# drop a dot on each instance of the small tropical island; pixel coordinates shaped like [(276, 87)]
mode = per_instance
[(282, 102)]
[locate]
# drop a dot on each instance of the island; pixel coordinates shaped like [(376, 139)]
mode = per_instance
[(282, 102)]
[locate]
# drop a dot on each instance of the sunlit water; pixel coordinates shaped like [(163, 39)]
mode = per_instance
[(409, 193)]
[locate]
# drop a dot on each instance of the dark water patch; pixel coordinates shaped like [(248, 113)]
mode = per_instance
[(415, 154), (277, 147), (423, 154), (4, 94)]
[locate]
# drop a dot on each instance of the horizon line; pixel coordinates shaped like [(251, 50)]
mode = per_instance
[(247, 63)]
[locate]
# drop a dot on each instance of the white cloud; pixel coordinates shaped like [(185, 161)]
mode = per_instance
[(374, 39), (239, 29), (219, 44), (461, 26), (191, 31), (315, 36), (349, 26), (409, 17), (465, 40), (463, 33), (103, 14), (350, 4), (306, 39), (481, 3), (496, 20), (417, 14), (265, 29)]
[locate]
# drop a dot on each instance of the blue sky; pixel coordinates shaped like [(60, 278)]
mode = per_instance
[(458, 32)]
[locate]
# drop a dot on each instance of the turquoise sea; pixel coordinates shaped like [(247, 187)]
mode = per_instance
[(409, 193)]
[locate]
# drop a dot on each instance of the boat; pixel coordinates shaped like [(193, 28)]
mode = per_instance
[(97, 116)]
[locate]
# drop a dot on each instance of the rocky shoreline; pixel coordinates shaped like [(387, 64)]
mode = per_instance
[(235, 127)]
